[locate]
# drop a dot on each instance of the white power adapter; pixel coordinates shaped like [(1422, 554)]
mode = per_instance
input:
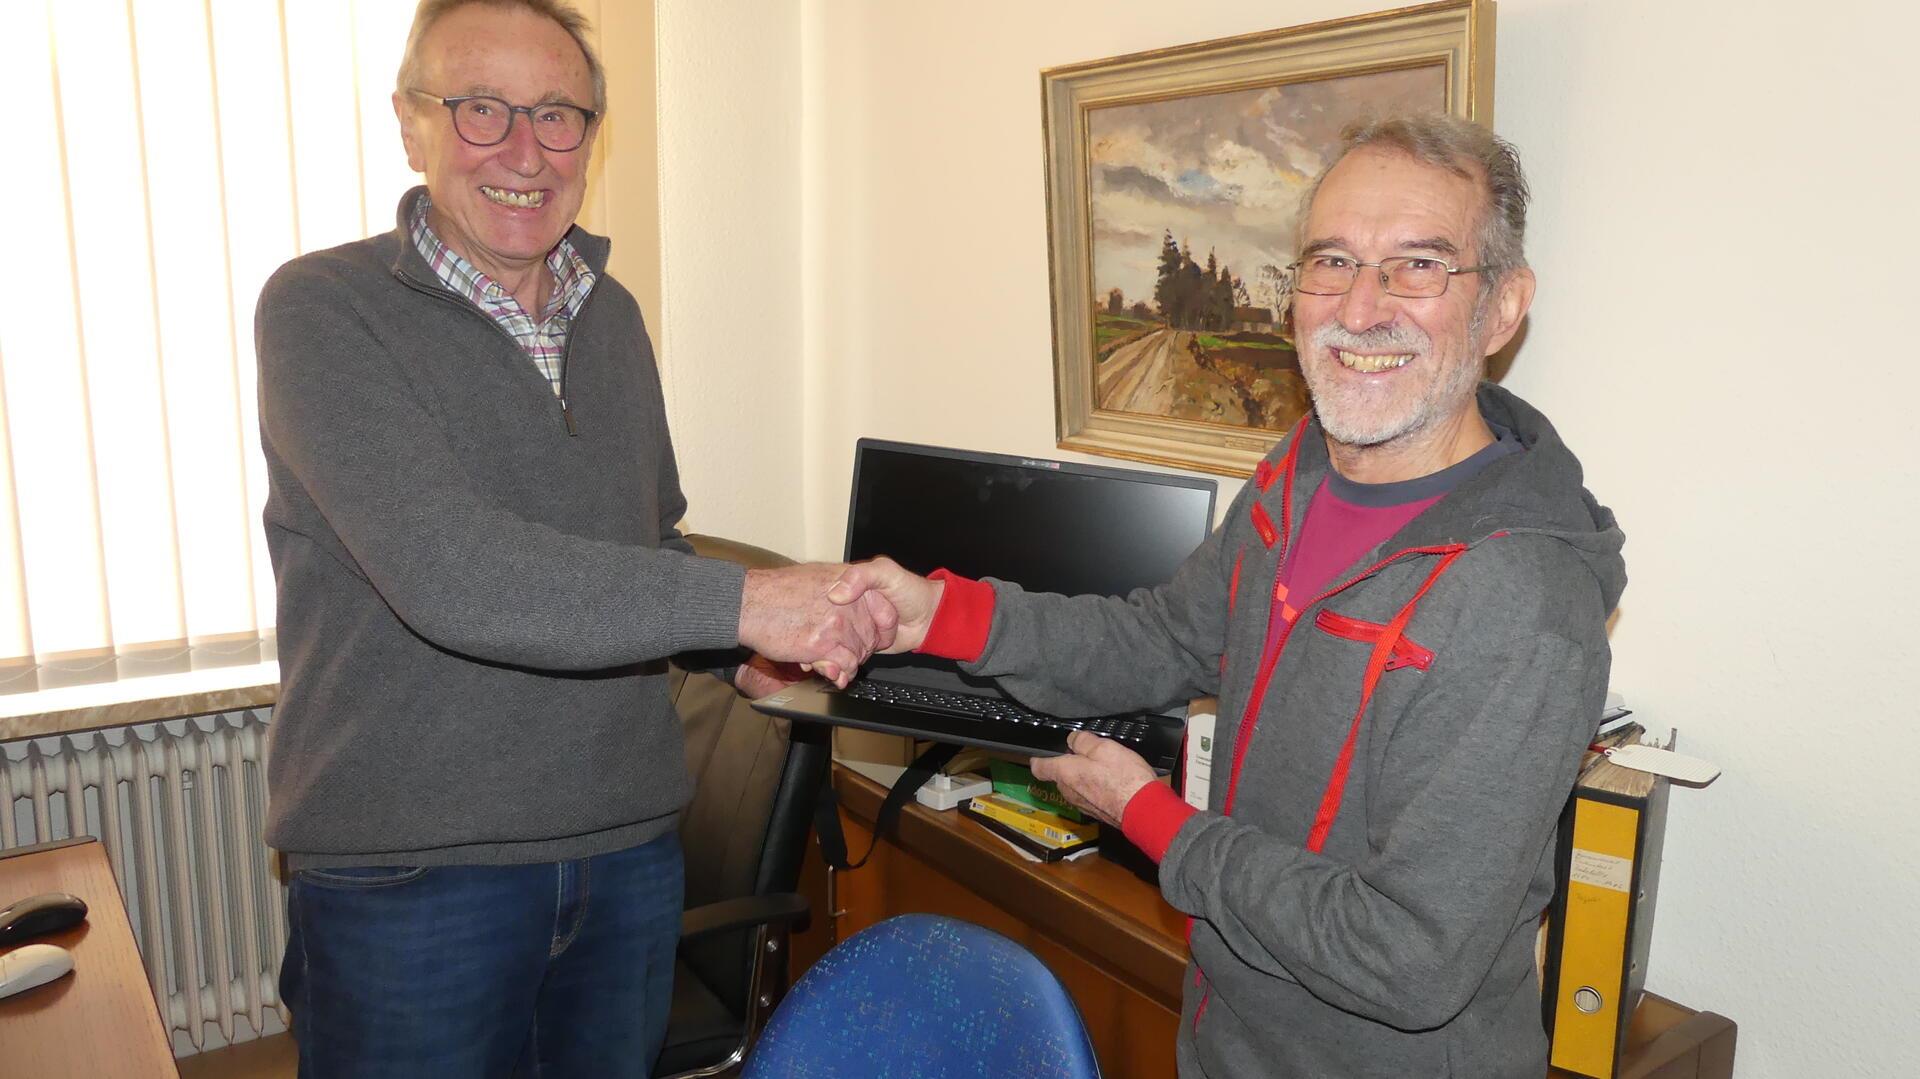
[(946, 792)]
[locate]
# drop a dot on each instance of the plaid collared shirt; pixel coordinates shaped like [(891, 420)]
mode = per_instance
[(543, 340)]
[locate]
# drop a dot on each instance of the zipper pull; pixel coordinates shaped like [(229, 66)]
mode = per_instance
[(567, 415)]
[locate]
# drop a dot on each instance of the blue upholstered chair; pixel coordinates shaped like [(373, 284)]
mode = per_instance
[(925, 997)]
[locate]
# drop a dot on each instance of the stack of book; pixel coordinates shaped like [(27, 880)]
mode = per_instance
[(1016, 781), (1034, 832)]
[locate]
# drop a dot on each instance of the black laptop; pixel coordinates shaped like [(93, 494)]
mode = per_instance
[(1050, 526)]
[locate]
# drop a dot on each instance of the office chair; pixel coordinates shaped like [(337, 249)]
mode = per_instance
[(920, 996), (744, 834)]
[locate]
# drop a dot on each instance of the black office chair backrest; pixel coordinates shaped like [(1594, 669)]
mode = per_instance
[(745, 831)]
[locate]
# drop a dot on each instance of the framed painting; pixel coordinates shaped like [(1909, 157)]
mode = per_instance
[(1174, 180)]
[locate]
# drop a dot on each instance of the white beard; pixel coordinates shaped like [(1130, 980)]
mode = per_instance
[(1353, 417)]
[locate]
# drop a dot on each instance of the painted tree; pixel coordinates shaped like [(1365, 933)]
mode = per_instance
[(1166, 282), (1195, 297)]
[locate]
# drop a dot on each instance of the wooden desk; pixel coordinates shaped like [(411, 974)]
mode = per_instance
[(1672, 1041), (1118, 947), (99, 1022)]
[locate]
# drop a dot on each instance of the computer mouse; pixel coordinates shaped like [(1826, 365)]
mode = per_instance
[(32, 965), (48, 912)]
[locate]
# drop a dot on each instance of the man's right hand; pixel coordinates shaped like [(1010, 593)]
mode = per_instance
[(785, 614), (913, 598)]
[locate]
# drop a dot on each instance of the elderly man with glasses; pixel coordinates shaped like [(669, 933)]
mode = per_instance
[(472, 512), (1404, 618)]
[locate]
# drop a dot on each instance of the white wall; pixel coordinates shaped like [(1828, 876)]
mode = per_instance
[(729, 331), (1723, 230), (1750, 421)]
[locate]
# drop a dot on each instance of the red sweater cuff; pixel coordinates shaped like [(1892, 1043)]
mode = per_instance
[(1153, 817), (960, 623)]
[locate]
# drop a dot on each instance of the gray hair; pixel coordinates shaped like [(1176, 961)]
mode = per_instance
[(560, 11), (1465, 149)]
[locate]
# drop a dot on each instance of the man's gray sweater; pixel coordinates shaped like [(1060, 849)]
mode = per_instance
[(474, 603)]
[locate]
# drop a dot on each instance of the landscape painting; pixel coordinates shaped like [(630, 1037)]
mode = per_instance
[(1193, 202), (1174, 182)]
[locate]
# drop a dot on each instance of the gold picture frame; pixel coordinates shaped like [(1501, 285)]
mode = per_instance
[(1155, 358)]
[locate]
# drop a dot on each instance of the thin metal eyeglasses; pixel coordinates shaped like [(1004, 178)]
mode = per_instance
[(1412, 277), (487, 121)]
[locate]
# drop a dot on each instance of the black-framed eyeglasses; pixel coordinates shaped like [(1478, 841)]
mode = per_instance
[(487, 121), (1413, 277)]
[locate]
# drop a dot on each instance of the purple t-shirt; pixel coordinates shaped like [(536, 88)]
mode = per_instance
[(1345, 520)]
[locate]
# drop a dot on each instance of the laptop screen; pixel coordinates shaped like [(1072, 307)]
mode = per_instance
[(1050, 526)]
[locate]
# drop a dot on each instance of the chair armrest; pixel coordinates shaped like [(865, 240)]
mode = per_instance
[(781, 909), (734, 551)]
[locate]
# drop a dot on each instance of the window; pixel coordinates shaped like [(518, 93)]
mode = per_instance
[(164, 158)]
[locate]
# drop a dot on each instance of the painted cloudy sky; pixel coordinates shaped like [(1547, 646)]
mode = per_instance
[(1223, 171)]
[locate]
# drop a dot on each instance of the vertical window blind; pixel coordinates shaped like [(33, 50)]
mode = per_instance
[(166, 156)]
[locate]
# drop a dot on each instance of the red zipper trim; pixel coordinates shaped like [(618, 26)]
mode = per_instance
[(1233, 588), (1406, 651), (1265, 473), (1233, 596), (1263, 524), (1263, 477), (1249, 719), (1290, 464), (1336, 791)]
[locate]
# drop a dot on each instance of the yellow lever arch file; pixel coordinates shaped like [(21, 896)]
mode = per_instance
[(1601, 919)]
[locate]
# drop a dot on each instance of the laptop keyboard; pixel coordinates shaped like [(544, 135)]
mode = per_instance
[(992, 710)]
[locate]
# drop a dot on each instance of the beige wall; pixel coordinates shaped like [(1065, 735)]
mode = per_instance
[(854, 237), (624, 200), (731, 220)]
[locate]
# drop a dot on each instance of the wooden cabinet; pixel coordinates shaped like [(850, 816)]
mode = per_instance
[(1671, 1041), (1116, 945)]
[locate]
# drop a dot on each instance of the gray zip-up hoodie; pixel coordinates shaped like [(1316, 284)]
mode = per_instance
[(473, 602), (1375, 918)]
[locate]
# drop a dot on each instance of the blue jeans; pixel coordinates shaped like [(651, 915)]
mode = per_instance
[(550, 970)]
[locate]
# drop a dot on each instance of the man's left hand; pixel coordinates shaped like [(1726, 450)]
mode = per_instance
[(1099, 775), (759, 676)]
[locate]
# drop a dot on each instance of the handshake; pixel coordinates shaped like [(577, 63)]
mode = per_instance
[(829, 618)]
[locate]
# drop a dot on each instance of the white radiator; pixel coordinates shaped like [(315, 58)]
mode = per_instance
[(179, 806)]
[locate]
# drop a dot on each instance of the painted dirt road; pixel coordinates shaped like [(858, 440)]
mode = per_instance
[(1138, 376), (1246, 378)]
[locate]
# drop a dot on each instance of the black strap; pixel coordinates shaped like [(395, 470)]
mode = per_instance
[(826, 809)]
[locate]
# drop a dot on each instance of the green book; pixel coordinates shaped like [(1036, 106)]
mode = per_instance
[(1016, 781)]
